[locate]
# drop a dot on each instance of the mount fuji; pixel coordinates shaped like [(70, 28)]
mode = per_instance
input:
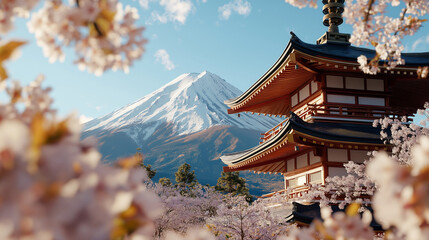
[(183, 121)]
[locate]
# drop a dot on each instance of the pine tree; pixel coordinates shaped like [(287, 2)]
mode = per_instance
[(184, 177), (150, 172), (231, 182), (165, 182)]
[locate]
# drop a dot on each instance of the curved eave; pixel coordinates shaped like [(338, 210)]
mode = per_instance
[(238, 157), (272, 95), (281, 61)]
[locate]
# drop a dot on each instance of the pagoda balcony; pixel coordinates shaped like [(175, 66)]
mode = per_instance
[(350, 112), (273, 131), (294, 192)]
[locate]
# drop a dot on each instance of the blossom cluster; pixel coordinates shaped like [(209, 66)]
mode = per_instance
[(373, 26), (340, 225), (184, 211), (191, 234), (237, 219), (53, 185), (103, 33), (402, 197), (355, 186), (403, 135), (10, 9)]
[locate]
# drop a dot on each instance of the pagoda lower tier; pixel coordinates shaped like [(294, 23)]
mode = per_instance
[(307, 153)]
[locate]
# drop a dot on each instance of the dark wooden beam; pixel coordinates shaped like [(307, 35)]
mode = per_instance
[(305, 66)]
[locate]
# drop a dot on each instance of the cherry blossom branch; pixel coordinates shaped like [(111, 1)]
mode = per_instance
[(373, 26), (368, 11), (111, 40)]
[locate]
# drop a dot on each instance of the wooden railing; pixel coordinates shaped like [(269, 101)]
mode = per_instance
[(350, 111), (272, 194), (295, 192), (298, 192), (273, 131)]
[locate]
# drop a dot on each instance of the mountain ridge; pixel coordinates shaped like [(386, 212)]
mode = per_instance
[(183, 121), (192, 101)]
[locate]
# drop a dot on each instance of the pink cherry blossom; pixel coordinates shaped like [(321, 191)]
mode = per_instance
[(53, 185), (375, 24), (112, 42), (402, 199)]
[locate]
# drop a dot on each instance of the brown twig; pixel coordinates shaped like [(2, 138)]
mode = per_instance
[(402, 18), (100, 34), (367, 14)]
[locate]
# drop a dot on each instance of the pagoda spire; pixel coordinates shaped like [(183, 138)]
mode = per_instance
[(333, 10)]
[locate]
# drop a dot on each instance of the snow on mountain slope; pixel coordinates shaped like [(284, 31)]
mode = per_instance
[(192, 102)]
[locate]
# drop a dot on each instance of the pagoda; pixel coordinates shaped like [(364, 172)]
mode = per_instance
[(329, 105)]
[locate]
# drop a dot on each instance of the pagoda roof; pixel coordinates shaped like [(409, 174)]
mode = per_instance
[(307, 135), (344, 51), (299, 62)]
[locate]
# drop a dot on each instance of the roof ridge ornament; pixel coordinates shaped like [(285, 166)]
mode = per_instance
[(333, 10)]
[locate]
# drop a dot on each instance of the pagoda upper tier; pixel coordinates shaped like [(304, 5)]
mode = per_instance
[(326, 79)]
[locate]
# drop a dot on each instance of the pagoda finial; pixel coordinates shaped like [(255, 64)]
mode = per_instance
[(333, 18), (333, 10)]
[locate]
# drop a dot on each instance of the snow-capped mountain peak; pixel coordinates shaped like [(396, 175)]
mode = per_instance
[(191, 102)]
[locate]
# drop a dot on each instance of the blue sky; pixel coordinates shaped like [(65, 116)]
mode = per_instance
[(239, 49)]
